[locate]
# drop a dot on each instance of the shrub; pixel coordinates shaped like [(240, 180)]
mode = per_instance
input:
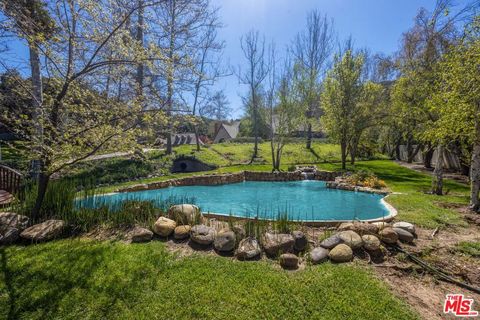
[(365, 178)]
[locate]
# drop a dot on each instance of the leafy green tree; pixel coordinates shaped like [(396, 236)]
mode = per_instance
[(457, 100), (340, 99)]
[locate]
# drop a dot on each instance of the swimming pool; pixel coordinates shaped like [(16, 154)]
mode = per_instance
[(305, 200)]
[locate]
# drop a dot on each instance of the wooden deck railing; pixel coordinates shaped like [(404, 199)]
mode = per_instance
[(10, 179)]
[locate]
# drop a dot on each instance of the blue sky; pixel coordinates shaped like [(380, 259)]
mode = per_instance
[(375, 24)]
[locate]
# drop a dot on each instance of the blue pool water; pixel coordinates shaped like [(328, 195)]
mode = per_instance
[(301, 200)]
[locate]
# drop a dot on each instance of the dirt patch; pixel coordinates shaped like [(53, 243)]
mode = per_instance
[(447, 175), (421, 289)]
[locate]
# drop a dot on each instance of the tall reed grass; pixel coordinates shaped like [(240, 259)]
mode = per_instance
[(82, 208)]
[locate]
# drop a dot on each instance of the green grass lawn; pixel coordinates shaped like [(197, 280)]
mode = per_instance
[(79, 279), (411, 201)]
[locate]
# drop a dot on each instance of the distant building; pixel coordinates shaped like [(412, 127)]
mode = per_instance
[(184, 138), (301, 130), (226, 131)]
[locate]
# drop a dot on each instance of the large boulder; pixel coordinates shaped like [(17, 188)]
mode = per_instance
[(359, 227), (331, 242), (381, 225), (318, 255), (407, 226), (182, 232), (185, 214), (371, 242), (248, 248), (351, 238), (276, 243), (289, 261), (403, 235), (12, 220), (139, 234), (388, 235), (9, 236), (341, 253), (240, 233), (164, 226), (225, 241), (44, 231), (201, 234), (300, 240)]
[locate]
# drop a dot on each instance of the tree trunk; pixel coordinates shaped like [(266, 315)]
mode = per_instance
[(437, 179), (197, 139), (255, 130), (42, 185), (398, 156), (414, 153), (409, 149), (427, 158), (37, 103), (140, 66), (475, 167), (309, 136), (343, 147)]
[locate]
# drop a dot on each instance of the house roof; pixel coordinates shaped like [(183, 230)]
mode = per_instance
[(232, 129), (184, 138)]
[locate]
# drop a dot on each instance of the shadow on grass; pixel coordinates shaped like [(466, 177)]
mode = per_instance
[(79, 266)]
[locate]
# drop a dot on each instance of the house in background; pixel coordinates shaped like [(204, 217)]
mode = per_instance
[(226, 131)]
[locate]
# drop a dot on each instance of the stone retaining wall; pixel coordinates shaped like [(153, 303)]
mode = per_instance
[(214, 179)]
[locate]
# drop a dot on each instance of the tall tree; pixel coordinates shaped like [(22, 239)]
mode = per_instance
[(253, 75), (77, 122), (457, 100), (218, 107), (340, 99), (311, 50), (180, 25), (207, 63)]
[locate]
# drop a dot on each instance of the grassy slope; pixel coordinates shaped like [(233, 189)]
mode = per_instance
[(226, 154), (77, 279)]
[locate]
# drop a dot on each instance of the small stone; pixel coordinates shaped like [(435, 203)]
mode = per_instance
[(331, 242), (164, 226), (182, 232), (351, 238), (388, 235), (289, 261), (139, 234), (225, 241), (407, 226), (404, 235), (275, 244), (341, 253), (318, 255), (185, 214), (44, 231), (300, 240), (248, 248), (202, 234), (371, 242)]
